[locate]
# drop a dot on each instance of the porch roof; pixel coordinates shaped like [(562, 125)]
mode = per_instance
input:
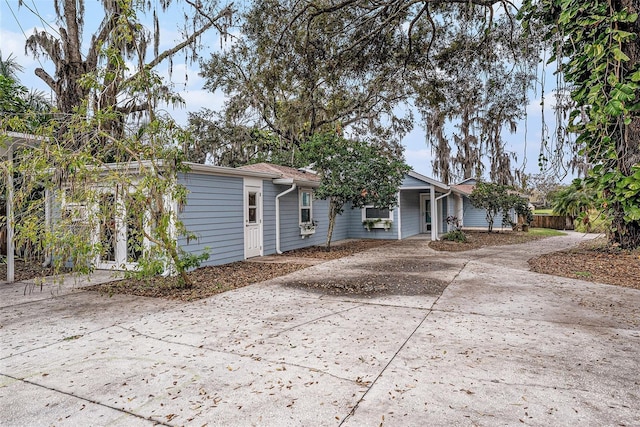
[(12, 140), (428, 183)]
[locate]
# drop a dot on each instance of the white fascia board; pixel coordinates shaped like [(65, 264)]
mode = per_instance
[(299, 182), (416, 187)]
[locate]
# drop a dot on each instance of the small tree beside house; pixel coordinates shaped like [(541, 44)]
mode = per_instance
[(496, 199), (353, 172)]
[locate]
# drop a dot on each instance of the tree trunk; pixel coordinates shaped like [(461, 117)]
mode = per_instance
[(627, 233), (333, 213)]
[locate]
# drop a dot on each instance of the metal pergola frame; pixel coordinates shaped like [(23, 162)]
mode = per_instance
[(8, 143)]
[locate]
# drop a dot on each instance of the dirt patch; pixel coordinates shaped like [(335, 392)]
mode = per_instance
[(370, 285), (481, 239), (405, 265), (594, 262)]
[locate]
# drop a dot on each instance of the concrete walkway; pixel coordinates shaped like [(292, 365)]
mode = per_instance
[(499, 346)]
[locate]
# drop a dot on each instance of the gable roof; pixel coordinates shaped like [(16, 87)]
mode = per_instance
[(287, 175), (427, 180)]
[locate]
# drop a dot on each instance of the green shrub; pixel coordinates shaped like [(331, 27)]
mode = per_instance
[(455, 236), (592, 222)]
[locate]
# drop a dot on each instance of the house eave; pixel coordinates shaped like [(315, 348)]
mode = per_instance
[(226, 171)]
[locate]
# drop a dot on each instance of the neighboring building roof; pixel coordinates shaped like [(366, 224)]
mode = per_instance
[(468, 181), (287, 173), (465, 189)]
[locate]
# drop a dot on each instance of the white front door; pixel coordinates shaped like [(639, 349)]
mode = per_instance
[(252, 218)]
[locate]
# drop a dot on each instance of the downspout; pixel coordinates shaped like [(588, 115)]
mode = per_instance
[(441, 197), (293, 187)]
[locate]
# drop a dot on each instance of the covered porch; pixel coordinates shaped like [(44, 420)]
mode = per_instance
[(424, 206)]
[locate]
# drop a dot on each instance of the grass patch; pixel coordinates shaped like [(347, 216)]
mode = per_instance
[(546, 232), (583, 274)]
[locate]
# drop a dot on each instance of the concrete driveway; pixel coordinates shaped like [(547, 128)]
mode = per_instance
[(499, 346)]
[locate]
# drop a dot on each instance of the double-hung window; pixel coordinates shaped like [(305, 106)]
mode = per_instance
[(305, 197)]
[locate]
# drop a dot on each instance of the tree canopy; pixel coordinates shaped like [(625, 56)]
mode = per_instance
[(291, 74), (301, 68), (120, 58)]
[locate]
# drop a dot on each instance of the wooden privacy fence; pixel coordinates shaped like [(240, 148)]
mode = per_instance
[(555, 222)]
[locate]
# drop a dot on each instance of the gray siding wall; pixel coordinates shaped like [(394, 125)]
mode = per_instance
[(410, 202), (341, 228), (473, 217), (476, 217), (357, 230), (269, 193), (214, 212), (290, 237), (410, 181)]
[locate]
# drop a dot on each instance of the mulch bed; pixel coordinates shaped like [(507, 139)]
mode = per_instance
[(481, 239), (208, 281), (25, 270), (593, 261), (339, 250)]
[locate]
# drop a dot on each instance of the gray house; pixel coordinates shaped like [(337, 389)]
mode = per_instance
[(263, 209)]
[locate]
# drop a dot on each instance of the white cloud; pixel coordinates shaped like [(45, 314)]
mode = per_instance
[(196, 100)]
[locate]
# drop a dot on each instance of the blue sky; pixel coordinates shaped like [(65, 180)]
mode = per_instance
[(17, 23)]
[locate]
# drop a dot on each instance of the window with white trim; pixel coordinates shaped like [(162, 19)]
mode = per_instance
[(371, 213), (305, 200)]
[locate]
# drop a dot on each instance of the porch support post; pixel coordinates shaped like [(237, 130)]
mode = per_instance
[(399, 222), (434, 214), (10, 244)]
